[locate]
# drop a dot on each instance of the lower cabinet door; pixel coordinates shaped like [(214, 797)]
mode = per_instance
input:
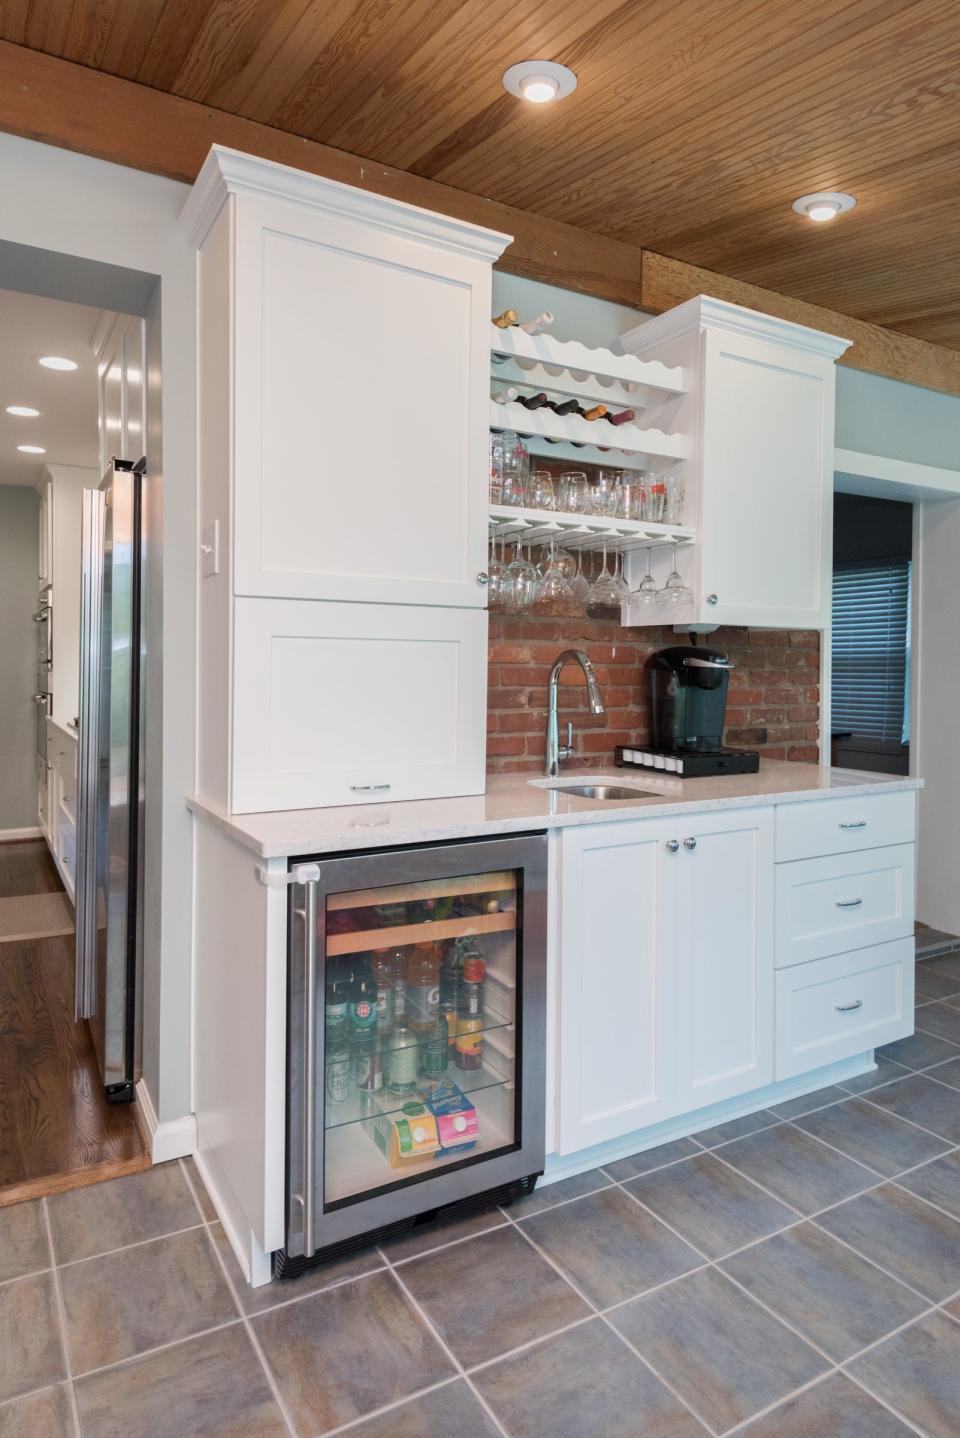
[(834, 1008), (356, 703), (724, 960), (617, 1045)]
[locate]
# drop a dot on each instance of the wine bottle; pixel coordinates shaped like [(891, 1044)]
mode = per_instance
[(506, 319), (598, 412), (624, 417), (505, 396), (567, 406), (533, 327), (534, 401)]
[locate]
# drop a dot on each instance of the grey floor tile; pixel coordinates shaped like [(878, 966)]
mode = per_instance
[(23, 1240), (797, 1169), (713, 1206), (833, 1408), (918, 1051), (268, 1295), (343, 1353), (610, 1247), (208, 1387), (873, 1136), (125, 1210), (948, 1073), (200, 1189), (931, 1105), (452, 1409), (885, 1072), (931, 985), (736, 1128), (515, 1295), (911, 1240), (30, 1351), (440, 1232), (836, 1299), (42, 1415), (809, 1102), (949, 965), (583, 1382), (937, 1182), (651, 1158), (918, 1373), (577, 1186), (123, 1303), (718, 1349), (940, 1019)]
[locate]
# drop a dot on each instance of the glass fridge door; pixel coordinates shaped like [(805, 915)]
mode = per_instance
[(420, 1028)]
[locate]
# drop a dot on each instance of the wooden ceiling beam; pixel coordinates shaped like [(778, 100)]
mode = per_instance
[(60, 103)]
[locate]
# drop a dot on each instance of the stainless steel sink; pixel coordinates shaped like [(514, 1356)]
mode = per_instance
[(603, 791)]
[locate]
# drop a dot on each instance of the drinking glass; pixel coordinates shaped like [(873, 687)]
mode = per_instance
[(674, 591), (516, 469), (623, 588), (646, 591), (604, 598), (606, 493), (554, 596), (521, 581), (495, 570), (540, 491), (673, 499), (574, 494), (655, 502), (631, 497), (580, 584)]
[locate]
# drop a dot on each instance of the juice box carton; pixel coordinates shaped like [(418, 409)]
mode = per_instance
[(458, 1126), (406, 1136)]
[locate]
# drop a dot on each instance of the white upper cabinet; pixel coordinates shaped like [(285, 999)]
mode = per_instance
[(759, 416), (359, 336)]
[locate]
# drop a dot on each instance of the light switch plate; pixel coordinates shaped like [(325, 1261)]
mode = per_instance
[(210, 549)]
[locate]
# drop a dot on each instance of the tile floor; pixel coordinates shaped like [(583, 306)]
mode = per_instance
[(792, 1275)]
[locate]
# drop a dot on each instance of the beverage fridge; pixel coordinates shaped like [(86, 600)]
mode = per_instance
[(416, 1023)]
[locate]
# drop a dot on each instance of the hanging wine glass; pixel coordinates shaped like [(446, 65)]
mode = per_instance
[(522, 582), (623, 588), (646, 592), (603, 601), (495, 570), (674, 591), (580, 584)]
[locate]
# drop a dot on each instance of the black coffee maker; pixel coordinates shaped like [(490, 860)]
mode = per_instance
[(688, 702)]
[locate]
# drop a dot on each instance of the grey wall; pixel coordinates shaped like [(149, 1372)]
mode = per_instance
[(19, 558)]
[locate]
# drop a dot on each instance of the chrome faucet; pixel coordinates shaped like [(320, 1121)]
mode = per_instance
[(555, 750)]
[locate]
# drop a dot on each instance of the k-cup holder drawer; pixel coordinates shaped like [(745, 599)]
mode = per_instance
[(837, 1007), (846, 901), (843, 825)]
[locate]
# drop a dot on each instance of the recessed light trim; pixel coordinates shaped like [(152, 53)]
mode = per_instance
[(57, 362), (539, 81), (23, 411), (31, 449), (824, 205)]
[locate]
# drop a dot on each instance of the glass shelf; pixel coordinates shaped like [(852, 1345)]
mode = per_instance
[(359, 941), (360, 1104)]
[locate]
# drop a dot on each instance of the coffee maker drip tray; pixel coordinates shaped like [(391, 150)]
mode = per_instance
[(690, 765)]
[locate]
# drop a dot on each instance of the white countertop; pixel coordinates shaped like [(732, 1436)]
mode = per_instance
[(517, 802)]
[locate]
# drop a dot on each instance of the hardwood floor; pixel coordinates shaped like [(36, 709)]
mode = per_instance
[(56, 1128)]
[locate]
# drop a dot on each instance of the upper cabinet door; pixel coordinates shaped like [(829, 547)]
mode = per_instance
[(360, 410)]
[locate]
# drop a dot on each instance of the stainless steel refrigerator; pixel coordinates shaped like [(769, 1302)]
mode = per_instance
[(109, 898)]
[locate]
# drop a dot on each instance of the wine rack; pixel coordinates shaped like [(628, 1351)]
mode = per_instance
[(581, 361), (583, 531), (569, 437)]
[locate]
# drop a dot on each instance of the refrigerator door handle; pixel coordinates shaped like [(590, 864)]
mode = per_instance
[(87, 753), (309, 1065)]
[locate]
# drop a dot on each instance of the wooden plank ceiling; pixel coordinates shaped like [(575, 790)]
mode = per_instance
[(695, 125)]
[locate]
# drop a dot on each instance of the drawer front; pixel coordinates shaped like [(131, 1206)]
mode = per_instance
[(837, 1007), (841, 826), (847, 901)]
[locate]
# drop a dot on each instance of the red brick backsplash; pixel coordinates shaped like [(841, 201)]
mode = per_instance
[(773, 703)]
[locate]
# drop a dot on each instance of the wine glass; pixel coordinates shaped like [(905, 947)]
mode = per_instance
[(521, 581), (674, 590), (495, 572), (604, 597), (580, 584), (645, 593), (540, 491), (623, 588), (606, 493), (554, 595), (574, 493)]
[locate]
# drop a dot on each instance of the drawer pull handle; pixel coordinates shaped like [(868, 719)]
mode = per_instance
[(368, 788), (848, 903), (849, 1008), (857, 824)]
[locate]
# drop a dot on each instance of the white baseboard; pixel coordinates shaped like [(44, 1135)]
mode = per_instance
[(8, 835), (174, 1138)]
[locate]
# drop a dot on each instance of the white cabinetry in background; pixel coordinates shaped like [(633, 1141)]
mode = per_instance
[(119, 344), (666, 969), (759, 416), (61, 488), (343, 463)]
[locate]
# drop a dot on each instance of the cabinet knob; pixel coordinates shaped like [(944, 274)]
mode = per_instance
[(672, 845), (483, 577), (690, 843), (713, 599)]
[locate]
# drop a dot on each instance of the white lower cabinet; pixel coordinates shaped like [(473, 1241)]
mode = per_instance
[(666, 973)]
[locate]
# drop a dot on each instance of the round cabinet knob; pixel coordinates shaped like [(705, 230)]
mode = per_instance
[(690, 843), (483, 577), (672, 845), (713, 599)]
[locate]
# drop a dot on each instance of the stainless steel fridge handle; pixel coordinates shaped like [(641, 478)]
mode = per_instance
[(309, 1064)]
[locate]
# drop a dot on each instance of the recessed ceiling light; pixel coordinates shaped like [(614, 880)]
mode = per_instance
[(539, 81), (825, 205), (31, 449), (24, 411), (56, 362)]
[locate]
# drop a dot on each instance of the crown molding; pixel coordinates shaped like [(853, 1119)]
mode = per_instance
[(704, 312), (231, 172)]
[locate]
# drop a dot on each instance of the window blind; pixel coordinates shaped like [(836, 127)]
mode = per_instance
[(871, 649)]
